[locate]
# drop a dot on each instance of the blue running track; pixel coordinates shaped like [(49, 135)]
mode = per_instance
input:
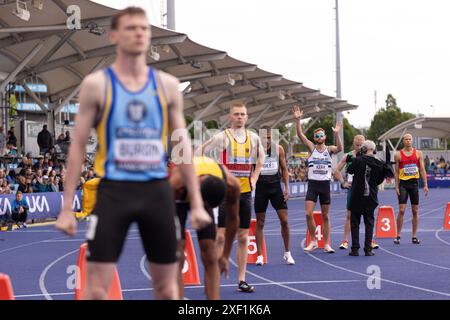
[(40, 261)]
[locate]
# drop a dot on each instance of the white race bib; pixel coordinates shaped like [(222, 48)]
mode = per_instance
[(410, 169), (140, 152), (270, 166)]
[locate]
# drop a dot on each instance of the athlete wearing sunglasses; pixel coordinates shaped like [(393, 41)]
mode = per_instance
[(319, 178)]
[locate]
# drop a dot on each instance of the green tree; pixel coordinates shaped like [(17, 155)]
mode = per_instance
[(387, 118), (212, 124)]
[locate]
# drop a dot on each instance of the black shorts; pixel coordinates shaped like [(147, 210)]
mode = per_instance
[(245, 211), (269, 191), (411, 188), (208, 232), (318, 189), (150, 204)]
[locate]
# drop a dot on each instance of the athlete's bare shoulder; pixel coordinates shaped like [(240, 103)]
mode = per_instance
[(169, 82), (93, 85), (254, 136), (167, 77)]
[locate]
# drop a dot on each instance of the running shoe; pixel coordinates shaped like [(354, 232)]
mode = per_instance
[(245, 287), (260, 260), (311, 247), (375, 245), (288, 258), (328, 249), (344, 245)]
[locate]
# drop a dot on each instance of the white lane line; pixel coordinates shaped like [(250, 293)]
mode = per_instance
[(199, 287), (382, 279), (82, 240), (281, 285), (28, 244), (414, 260), (44, 273), (143, 269), (436, 234)]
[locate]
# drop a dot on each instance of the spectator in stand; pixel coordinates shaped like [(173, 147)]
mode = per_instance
[(52, 173), (60, 139), (85, 166), (67, 137), (291, 175), (427, 162), (1, 185), (19, 210), (60, 166), (37, 178), (2, 141), (39, 165), (24, 185), (11, 177), (52, 181), (90, 174), (84, 175), (43, 185), (12, 139), (61, 181), (44, 140), (441, 168), (11, 150), (27, 161), (28, 173), (80, 184), (45, 164), (5, 188)]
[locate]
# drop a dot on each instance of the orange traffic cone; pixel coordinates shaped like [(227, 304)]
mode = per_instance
[(386, 226), (115, 291), (317, 215), (447, 217), (252, 248), (190, 272), (6, 291)]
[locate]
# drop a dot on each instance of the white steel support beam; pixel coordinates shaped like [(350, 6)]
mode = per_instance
[(281, 118), (205, 110), (57, 108), (400, 139), (250, 125), (34, 97), (24, 62), (208, 74)]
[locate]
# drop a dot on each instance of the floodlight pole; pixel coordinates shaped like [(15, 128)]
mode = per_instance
[(171, 14), (339, 115)]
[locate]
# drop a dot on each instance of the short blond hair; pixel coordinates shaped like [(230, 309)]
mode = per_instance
[(237, 105), (407, 134)]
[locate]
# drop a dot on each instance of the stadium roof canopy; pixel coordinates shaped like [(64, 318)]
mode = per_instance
[(45, 48), (433, 127)]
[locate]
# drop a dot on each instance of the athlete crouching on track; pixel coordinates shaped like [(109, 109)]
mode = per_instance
[(216, 184)]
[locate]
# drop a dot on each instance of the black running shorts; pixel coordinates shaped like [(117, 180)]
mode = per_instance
[(266, 192), (409, 188), (318, 189), (150, 204), (245, 211), (208, 232)]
